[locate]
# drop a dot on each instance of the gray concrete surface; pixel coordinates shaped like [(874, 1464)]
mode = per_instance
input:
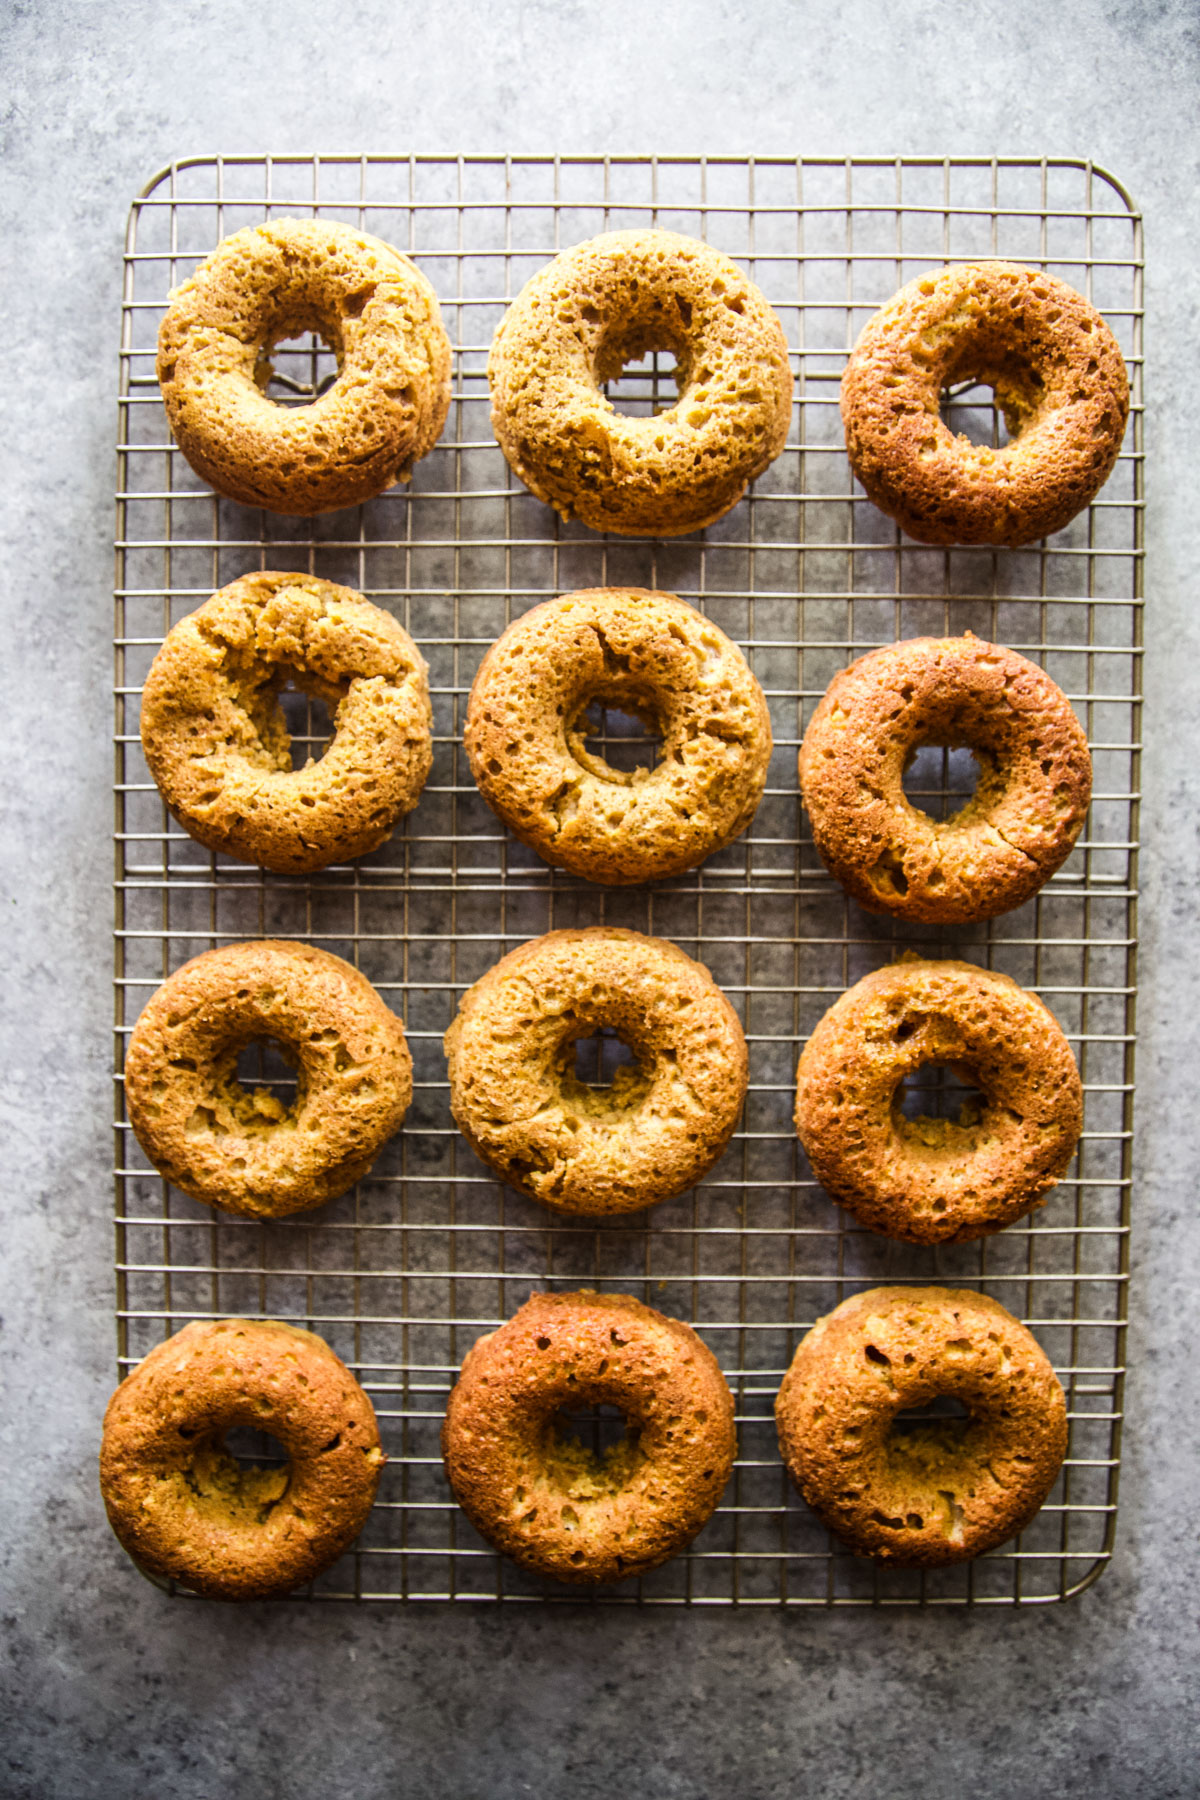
[(110, 1689)]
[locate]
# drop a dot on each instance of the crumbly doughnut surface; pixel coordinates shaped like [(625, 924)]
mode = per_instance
[(932, 1181), (943, 1490), (544, 1498), (666, 1118), (188, 1511), (217, 745), (656, 657), (1059, 379), (245, 1151), (575, 326), (377, 313), (1017, 828)]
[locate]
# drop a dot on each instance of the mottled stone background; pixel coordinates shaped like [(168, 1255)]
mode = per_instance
[(109, 1688)]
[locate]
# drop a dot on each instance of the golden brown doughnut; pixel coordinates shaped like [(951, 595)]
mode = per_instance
[(942, 1490), (243, 1151), (576, 325), (375, 310), (933, 1181), (1030, 804), (187, 1511), (1059, 379), (547, 1500), (666, 1118), (656, 657), (217, 745)]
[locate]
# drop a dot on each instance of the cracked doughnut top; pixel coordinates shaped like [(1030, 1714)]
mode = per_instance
[(1029, 806), (245, 1150), (932, 1181), (580, 1149), (217, 745), (935, 1490), (375, 310), (575, 326), (655, 657), (186, 1510), (1058, 376), (547, 1499)]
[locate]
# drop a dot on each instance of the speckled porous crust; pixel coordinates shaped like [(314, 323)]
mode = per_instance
[(1035, 779), (1058, 376), (576, 325), (944, 1489), (186, 1510), (656, 657), (547, 1500), (217, 744), (245, 1151), (377, 313), (666, 1118), (933, 1181)]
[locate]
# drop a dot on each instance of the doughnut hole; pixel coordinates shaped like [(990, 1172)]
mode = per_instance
[(254, 1449), (598, 1437), (645, 386), (626, 742), (300, 345), (941, 780), (308, 723), (602, 1075), (938, 1106), (237, 1475), (297, 369), (1012, 393), (589, 1452), (643, 362), (969, 410), (945, 1412), (291, 712), (599, 1058), (262, 1084), (616, 735), (929, 1453)]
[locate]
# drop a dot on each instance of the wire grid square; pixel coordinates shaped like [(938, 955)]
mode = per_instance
[(401, 1275)]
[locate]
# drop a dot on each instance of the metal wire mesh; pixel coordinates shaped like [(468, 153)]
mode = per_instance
[(402, 1274)]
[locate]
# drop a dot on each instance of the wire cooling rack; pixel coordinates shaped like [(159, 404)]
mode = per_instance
[(404, 1273)]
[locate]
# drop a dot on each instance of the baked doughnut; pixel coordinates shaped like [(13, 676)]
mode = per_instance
[(657, 658), (1035, 779), (1059, 379), (935, 1181), (187, 1511), (944, 1489), (216, 742), (377, 313), (667, 1116), (245, 1151), (547, 1500), (576, 325)]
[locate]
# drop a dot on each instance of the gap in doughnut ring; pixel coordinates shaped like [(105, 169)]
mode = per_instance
[(297, 370), (621, 739), (969, 410), (646, 387), (595, 1431), (254, 1449), (309, 724), (597, 1058), (263, 1065), (944, 1407), (243, 1471), (940, 779), (937, 1091)]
